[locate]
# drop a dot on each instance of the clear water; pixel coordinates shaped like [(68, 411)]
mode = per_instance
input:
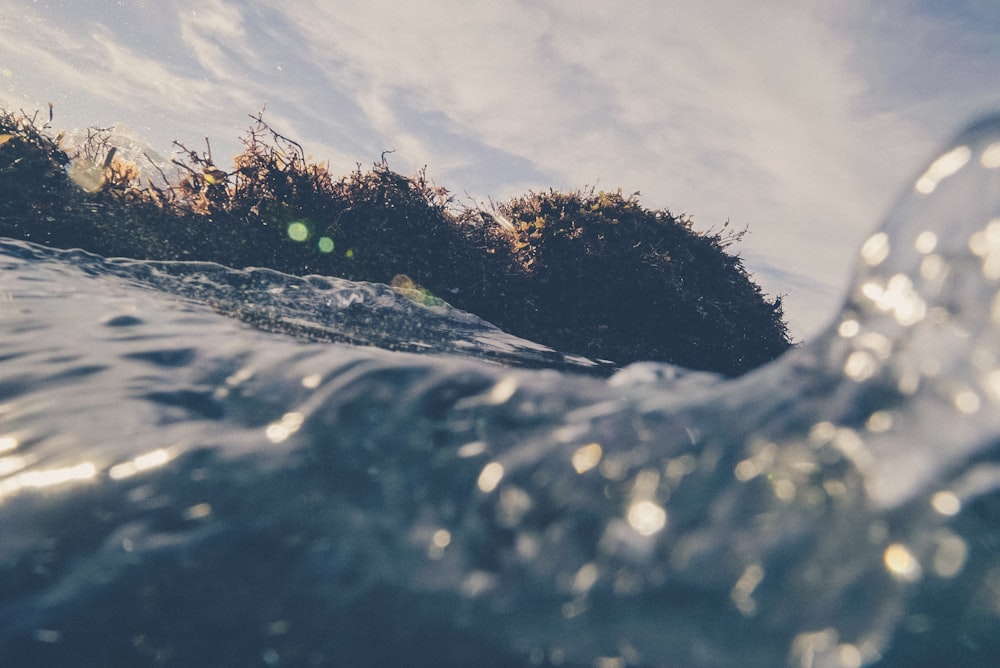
[(208, 467)]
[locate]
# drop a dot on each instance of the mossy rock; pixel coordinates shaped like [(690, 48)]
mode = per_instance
[(591, 273)]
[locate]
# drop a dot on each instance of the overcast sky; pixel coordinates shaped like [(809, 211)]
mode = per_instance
[(803, 120)]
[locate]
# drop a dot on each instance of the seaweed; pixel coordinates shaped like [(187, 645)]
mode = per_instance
[(588, 272)]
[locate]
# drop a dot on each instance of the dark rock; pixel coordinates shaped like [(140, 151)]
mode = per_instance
[(590, 273)]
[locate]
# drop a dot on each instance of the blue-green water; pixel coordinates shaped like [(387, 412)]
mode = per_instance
[(208, 467)]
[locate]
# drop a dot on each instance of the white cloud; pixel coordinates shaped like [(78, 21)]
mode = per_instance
[(741, 114), (94, 79), (802, 120), (214, 32)]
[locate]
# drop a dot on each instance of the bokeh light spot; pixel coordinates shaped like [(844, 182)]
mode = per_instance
[(860, 366), (646, 517), (503, 391), (144, 462), (490, 477), (742, 592), (587, 457), (926, 242), (585, 578), (850, 656), (879, 422), (901, 563), (47, 478), (992, 383), (875, 249), (947, 503), (991, 156), (950, 556), (198, 511), (932, 267), (945, 166), (277, 432), (298, 231), (967, 402), (441, 538), (849, 328), (986, 244)]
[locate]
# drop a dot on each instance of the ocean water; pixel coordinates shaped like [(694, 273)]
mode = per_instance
[(208, 467)]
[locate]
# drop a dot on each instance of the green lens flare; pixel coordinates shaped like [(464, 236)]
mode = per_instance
[(298, 231)]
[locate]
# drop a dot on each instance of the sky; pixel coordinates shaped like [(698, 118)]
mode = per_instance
[(802, 121)]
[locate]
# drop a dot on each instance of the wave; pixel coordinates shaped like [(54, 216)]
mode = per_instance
[(339, 475)]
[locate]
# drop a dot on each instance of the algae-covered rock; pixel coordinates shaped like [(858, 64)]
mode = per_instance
[(591, 273), (602, 276)]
